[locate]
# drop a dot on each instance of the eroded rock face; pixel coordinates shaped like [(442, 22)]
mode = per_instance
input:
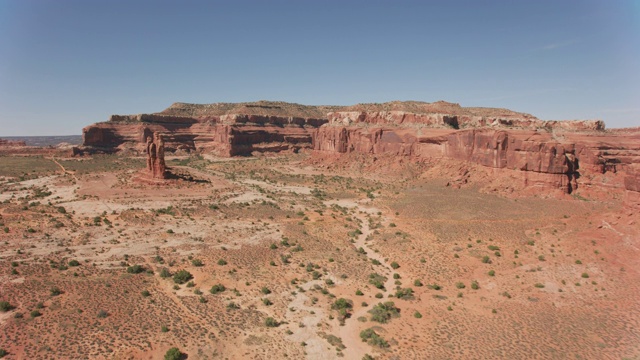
[(156, 166), (542, 154), (548, 155), (216, 128)]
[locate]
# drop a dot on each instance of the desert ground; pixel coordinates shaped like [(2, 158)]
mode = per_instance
[(282, 257)]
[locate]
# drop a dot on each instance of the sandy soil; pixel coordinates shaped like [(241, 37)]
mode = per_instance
[(491, 276)]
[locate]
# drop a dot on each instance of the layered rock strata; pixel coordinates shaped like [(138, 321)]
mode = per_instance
[(561, 155)]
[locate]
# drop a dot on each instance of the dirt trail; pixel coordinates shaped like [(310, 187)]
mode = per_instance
[(350, 332), (317, 348), (64, 171)]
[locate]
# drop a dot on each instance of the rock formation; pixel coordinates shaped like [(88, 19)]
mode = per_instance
[(561, 155), (223, 129), (156, 166), (9, 143)]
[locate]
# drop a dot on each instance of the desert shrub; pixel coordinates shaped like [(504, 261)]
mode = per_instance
[(383, 312), (585, 275), (271, 322), (417, 315), (102, 314), (486, 260), (395, 265), (460, 285), (135, 269), (197, 262), (377, 280), (267, 302), (5, 306), (222, 262), (146, 293), (539, 285), (55, 291), (265, 290), (417, 282), (493, 248), (434, 286), (232, 306), (406, 293), (182, 277), (165, 273), (218, 288), (173, 354), (342, 303), (3, 352), (491, 273), (475, 285), (373, 339), (74, 263), (35, 313), (359, 292)]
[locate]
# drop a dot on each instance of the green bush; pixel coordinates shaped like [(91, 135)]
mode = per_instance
[(197, 262), (74, 263), (173, 354), (135, 269), (406, 293), (5, 306), (271, 322), (218, 288), (383, 312), (182, 277), (395, 265), (475, 285), (55, 291), (377, 280), (342, 303), (372, 338), (165, 273)]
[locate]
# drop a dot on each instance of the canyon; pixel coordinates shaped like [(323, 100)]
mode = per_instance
[(542, 156)]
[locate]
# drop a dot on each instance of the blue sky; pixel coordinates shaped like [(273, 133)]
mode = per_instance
[(66, 64)]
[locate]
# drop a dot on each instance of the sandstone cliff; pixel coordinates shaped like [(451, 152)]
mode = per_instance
[(223, 128), (561, 155)]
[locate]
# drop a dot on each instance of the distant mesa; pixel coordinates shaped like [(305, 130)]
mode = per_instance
[(547, 155)]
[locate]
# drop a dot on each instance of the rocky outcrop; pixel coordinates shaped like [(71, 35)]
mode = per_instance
[(11, 143), (544, 154), (216, 128), (156, 167)]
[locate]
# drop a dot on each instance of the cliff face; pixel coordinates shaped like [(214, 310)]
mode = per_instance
[(546, 154), (224, 129), (561, 155)]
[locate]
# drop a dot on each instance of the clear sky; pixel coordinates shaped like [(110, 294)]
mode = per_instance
[(66, 64)]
